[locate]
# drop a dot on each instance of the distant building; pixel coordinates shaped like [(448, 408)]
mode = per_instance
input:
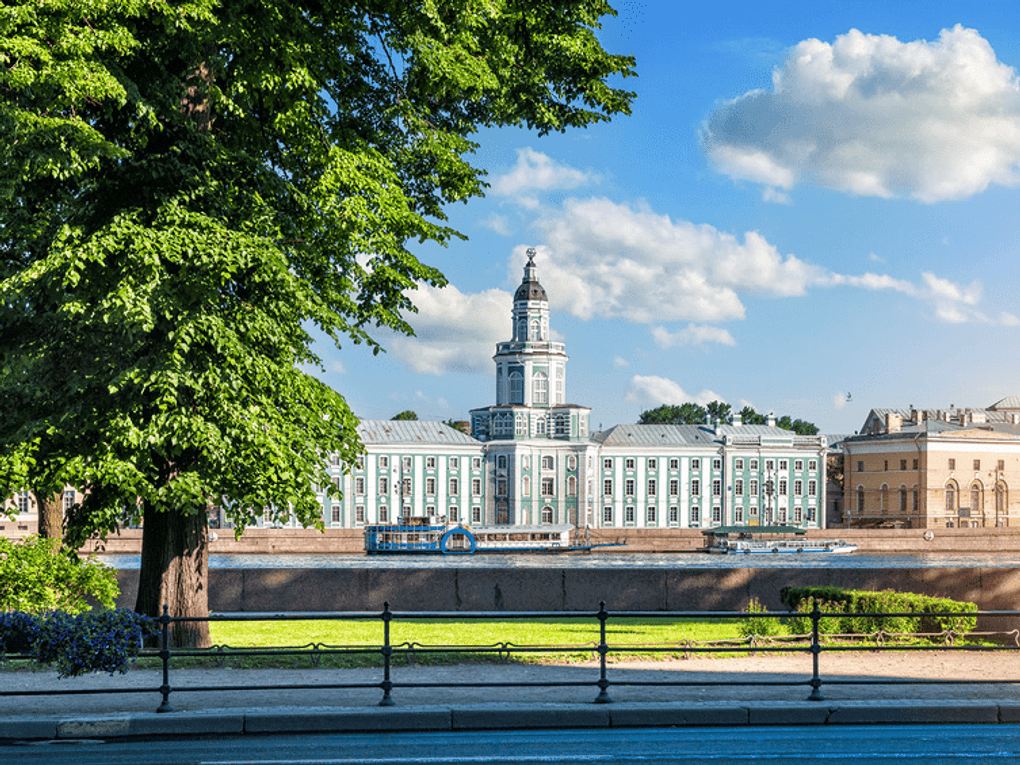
[(935, 468)]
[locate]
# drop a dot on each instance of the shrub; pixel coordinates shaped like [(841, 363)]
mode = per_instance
[(919, 611), (37, 576), (93, 641), (756, 624)]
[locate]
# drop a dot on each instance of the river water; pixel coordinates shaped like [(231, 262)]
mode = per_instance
[(601, 560)]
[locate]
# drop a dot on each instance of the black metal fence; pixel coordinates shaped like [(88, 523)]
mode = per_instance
[(815, 643)]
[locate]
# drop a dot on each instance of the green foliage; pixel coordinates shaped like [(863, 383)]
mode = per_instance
[(37, 575), (920, 611), (757, 623), (190, 187), (407, 414), (92, 641), (719, 411)]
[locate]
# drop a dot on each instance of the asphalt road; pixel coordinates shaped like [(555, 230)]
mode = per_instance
[(868, 745)]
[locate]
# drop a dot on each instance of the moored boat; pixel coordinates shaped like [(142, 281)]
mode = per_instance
[(771, 540), (425, 535)]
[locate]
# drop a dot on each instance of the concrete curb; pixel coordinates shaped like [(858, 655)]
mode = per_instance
[(499, 716)]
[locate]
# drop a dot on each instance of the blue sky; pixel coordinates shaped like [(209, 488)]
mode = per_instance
[(809, 200)]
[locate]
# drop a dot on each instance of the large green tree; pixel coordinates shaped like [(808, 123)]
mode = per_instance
[(189, 186), (693, 414)]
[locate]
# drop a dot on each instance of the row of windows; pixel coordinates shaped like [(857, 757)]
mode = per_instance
[(782, 515), (738, 464), (383, 514), (548, 462), (908, 499), (950, 464), (407, 463), (406, 486), (738, 487)]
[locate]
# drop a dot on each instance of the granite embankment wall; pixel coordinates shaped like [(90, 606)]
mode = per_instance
[(563, 589), (351, 541)]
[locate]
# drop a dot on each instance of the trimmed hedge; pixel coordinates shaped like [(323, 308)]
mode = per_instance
[(94, 641), (921, 611)]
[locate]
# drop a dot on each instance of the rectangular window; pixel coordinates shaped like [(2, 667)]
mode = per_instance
[(753, 487), (476, 463), (885, 464), (68, 500), (406, 463), (628, 515), (674, 487), (359, 485), (454, 463), (915, 465), (1001, 465), (651, 487), (454, 487), (430, 462), (334, 460), (384, 514), (650, 517), (860, 466), (674, 515), (695, 487), (334, 516), (753, 465), (628, 487), (784, 465), (454, 514), (607, 516), (384, 462), (952, 464), (798, 488), (977, 464), (695, 464), (501, 487), (770, 465), (812, 488), (359, 515), (738, 487), (798, 465), (629, 463), (716, 515), (716, 488), (476, 515), (753, 511), (812, 465), (476, 487), (547, 463), (782, 487), (717, 464), (607, 463), (384, 486), (406, 487), (738, 464), (653, 464), (738, 515), (695, 516), (607, 486), (430, 486), (674, 464), (903, 464), (548, 487), (798, 515)]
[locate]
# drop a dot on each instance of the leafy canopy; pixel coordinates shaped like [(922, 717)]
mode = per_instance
[(694, 414), (190, 187)]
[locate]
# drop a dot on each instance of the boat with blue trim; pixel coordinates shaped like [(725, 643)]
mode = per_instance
[(430, 535)]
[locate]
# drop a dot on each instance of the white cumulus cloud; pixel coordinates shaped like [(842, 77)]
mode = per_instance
[(455, 331), (873, 116), (692, 334), (536, 171), (652, 390)]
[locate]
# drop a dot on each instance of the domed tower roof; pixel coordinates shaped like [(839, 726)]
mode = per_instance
[(530, 289)]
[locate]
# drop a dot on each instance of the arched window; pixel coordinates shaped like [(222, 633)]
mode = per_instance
[(547, 515), (502, 513), (572, 486), (884, 497), (860, 499), (976, 499), (522, 330), (540, 389), (536, 330), (903, 499), (516, 388), (1000, 500), (950, 497), (526, 486)]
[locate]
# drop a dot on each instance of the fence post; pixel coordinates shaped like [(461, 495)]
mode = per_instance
[(387, 650), (164, 655), (603, 697), (816, 649)]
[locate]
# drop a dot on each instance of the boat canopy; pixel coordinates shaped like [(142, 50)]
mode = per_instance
[(722, 531)]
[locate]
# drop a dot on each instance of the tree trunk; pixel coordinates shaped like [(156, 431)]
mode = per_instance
[(175, 572), (51, 514)]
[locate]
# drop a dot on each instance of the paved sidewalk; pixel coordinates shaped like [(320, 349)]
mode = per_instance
[(861, 688)]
